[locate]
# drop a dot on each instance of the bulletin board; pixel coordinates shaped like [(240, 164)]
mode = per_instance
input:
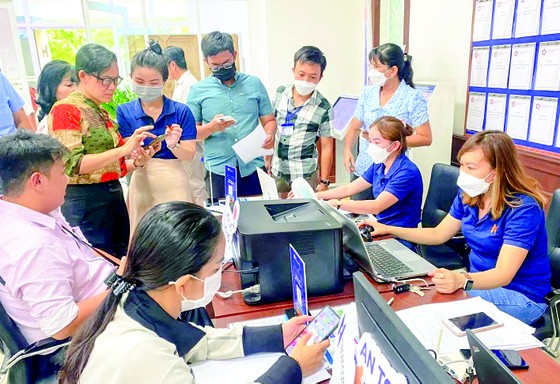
[(514, 83)]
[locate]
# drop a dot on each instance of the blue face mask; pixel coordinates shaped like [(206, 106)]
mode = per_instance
[(147, 94)]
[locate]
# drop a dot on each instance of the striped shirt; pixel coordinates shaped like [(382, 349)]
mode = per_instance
[(44, 271), (295, 153)]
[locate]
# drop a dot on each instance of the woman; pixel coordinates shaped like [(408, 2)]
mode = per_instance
[(391, 93), (174, 265), (393, 179), (56, 81), (500, 212), (97, 159), (164, 178)]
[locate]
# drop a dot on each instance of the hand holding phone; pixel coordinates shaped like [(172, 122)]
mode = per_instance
[(156, 141), (320, 328), (476, 322), (228, 118)]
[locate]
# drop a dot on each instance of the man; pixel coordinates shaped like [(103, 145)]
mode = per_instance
[(233, 94), (50, 280), (303, 117), (12, 114), (179, 71)]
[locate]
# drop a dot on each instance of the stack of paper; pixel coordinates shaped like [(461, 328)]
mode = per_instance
[(513, 335)]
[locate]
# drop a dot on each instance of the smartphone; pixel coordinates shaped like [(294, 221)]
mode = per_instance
[(156, 141), (511, 359), (322, 326), (228, 118), (476, 322)]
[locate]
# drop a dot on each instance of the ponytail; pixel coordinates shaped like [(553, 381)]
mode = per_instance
[(406, 73)]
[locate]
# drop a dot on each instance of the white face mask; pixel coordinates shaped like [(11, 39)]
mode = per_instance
[(377, 78), (211, 286), (378, 154), (472, 186), (304, 88)]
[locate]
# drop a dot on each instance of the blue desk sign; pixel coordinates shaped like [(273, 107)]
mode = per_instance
[(231, 182), (299, 283)]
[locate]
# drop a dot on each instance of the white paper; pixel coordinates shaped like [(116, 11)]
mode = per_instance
[(503, 19), (268, 185), (521, 66), (528, 16), (548, 67), (499, 66), (250, 147), (475, 114), (551, 17), (495, 111), (482, 20), (479, 66), (543, 120), (344, 365), (518, 116)]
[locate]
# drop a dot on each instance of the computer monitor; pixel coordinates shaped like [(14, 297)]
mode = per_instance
[(401, 348), (343, 110)]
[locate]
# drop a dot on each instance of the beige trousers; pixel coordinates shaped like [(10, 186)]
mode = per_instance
[(195, 174)]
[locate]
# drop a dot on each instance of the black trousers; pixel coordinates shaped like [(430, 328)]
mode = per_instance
[(246, 186), (100, 212)]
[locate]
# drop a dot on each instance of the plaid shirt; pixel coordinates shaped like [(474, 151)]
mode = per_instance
[(295, 154)]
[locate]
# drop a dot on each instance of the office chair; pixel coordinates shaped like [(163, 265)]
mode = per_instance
[(454, 254), (22, 361), (549, 325)]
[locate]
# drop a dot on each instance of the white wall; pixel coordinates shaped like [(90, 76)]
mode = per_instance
[(440, 35)]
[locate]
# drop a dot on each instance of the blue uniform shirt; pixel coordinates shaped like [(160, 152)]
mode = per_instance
[(404, 182), (131, 116), (523, 227), (407, 104), (10, 102), (245, 100)]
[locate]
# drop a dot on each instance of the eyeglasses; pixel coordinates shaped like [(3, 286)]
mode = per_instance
[(216, 68), (107, 81)]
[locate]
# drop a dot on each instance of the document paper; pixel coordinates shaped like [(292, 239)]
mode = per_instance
[(528, 16), (475, 115), (503, 19), (479, 66), (482, 20), (518, 116), (499, 66), (543, 120), (551, 17), (250, 147), (496, 111), (548, 67), (521, 66)]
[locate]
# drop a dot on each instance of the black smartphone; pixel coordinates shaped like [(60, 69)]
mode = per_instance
[(511, 359), (156, 141), (322, 326)]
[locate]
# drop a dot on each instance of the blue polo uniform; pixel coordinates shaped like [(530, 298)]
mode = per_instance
[(10, 103), (131, 116), (521, 226)]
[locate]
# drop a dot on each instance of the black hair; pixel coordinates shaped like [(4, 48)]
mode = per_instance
[(311, 54), (216, 42), (49, 79), (392, 55), (151, 57), (176, 54), (172, 240), (94, 59), (21, 154)]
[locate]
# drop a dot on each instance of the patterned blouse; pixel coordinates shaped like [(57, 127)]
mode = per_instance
[(85, 128)]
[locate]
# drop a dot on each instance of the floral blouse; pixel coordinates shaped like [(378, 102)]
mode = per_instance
[(85, 128)]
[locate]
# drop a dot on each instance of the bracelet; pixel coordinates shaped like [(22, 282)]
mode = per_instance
[(138, 166), (176, 145)]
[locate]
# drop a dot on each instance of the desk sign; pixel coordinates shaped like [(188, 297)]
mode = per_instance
[(372, 366), (299, 283), (231, 182)]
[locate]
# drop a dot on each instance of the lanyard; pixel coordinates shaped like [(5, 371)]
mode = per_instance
[(110, 258), (291, 115)]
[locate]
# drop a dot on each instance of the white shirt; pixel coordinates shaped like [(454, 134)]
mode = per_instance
[(183, 87)]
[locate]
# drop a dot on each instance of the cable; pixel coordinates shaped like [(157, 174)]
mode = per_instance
[(417, 279)]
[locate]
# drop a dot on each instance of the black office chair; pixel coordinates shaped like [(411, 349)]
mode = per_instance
[(454, 254), (23, 362), (549, 325)]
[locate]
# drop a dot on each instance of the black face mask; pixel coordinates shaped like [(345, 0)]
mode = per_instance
[(225, 74)]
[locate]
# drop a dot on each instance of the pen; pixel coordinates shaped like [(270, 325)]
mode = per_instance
[(328, 357), (391, 301), (439, 341)]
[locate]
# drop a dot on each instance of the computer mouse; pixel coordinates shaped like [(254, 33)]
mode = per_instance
[(365, 231)]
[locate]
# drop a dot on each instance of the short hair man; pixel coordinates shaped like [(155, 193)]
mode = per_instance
[(50, 279), (12, 114), (179, 71), (303, 116), (234, 94)]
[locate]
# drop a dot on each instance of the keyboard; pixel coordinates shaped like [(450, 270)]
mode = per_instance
[(384, 261)]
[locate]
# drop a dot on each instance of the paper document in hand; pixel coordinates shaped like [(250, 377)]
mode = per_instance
[(268, 185), (250, 147)]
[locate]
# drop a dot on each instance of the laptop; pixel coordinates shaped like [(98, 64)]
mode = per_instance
[(489, 368), (385, 260), (268, 185)]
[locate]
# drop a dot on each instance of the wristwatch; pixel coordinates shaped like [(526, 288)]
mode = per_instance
[(468, 282), (326, 182), (338, 204), (176, 145)]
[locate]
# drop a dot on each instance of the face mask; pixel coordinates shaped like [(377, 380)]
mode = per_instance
[(304, 88), (377, 78), (472, 186), (225, 74), (147, 94), (378, 154), (211, 286)]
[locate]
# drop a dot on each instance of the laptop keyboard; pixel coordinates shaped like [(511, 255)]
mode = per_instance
[(384, 261)]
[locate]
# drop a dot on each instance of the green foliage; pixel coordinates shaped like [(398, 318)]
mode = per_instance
[(64, 43), (121, 96)]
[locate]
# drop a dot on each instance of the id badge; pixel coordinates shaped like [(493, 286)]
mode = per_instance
[(287, 129)]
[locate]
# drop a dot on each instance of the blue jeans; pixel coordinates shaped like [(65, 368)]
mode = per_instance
[(513, 303)]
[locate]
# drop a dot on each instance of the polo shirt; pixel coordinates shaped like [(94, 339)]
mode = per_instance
[(407, 104), (522, 226), (10, 102), (131, 116), (403, 180), (246, 100)]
